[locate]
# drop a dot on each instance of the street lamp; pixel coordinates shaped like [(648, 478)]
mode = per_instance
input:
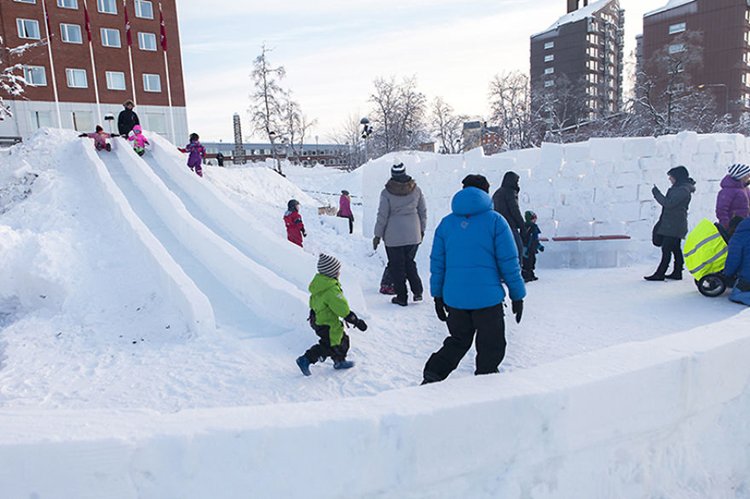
[(366, 131), (703, 86)]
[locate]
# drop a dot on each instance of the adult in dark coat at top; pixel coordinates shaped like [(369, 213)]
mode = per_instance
[(733, 199), (673, 223), (127, 118), (505, 202)]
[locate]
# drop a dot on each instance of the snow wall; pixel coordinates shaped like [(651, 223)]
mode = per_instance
[(664, 418), (601, 187)]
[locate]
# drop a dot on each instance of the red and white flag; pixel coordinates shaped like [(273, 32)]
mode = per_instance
[(128, 33), (162, 29), (87, 21)]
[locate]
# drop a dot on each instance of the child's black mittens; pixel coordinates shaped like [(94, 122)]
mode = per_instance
[(356, 321)]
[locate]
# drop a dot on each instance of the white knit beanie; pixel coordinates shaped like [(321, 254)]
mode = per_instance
[(328, 266), (738, 171)]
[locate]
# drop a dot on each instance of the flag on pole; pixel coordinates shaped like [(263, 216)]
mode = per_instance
[(46, 19), (128, 34), (87, 21), (162, 29)]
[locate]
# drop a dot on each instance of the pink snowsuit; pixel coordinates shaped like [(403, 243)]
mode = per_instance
[(138, 139), (100, 139)]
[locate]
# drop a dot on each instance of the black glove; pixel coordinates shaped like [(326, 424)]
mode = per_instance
[(541, 248), (375, 242), (440, 309), (517, 307), (83, 135), (114, 135), (356, 321), (304, 234)]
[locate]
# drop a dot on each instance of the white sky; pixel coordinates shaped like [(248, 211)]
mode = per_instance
[(334, 49)]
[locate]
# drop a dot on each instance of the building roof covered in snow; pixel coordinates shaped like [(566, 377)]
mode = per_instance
[(670, 5), (577, 15)]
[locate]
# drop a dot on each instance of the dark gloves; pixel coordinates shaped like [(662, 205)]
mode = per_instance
[(114, 135), (83, 135), (440, 309), (517, 307), (541, 248), (356, 321), (304, 234), (375, 242)]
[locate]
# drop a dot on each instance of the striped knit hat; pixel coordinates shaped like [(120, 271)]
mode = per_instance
[(328, 266), (398, 170), (738, 171)]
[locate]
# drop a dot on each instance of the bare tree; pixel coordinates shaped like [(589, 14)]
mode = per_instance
[(350, 135), (295, 124), (447, 126), (561, 110), (398, 116), (510, 103), (266, 99)]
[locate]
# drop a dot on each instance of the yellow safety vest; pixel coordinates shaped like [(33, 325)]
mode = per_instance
[(705, 250)]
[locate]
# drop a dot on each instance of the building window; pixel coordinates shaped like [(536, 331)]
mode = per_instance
[(147, 41), (71, 33), (111, 37), (549, 71), (151, 83), (593, 52), (67, 4), (26, 1), (549, 83), (41, 119), (144, 9), (549, 45), (35, 76), (28, 28), (677, 28), (115, 80), (676, 48), (82, 121), (76, 78), (107, 6), (156, 123), (549, 58)]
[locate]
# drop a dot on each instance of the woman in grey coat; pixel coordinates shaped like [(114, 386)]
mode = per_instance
[(673, 223), (401, 222)]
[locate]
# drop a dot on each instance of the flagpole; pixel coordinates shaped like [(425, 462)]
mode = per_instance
[(93, 64), (52, 64), (129, 41), (166, 70)]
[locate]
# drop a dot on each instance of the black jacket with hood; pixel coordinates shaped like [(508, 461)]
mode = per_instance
[(505, 201)]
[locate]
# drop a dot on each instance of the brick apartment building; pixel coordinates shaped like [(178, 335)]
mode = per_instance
[(585, 46), (23, 22), (725, 29)]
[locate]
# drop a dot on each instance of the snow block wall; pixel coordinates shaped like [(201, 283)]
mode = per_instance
[(601, 187), (664, 418)]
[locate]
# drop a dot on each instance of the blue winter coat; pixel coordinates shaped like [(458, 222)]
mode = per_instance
[(738, 258), (473, 254)]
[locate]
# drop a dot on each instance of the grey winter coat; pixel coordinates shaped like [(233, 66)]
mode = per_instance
[(402, 214), (674, 214)]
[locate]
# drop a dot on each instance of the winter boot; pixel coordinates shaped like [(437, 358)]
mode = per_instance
[(343, 364), (676, 275), (304, 365), (417, 297), (108, 147), (655, 277), (387, 290), (399, 301)]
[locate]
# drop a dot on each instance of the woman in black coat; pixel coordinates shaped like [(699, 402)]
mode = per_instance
[(505, 201), (127, 119), (673, 223)]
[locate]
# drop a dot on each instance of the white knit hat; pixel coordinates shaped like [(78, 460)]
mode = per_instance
[(328, 266), (738, 171)]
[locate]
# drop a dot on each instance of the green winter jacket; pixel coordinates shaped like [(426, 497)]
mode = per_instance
[(328, 302)]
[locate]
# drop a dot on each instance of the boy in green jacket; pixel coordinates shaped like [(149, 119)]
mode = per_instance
[(327, 306)]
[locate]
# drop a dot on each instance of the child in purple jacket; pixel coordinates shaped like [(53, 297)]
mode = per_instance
[(196, 154), (734, 196)]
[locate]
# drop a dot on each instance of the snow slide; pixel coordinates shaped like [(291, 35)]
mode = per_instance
[(243, 294)]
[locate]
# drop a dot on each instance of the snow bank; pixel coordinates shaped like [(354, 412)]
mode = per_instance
[(664, 418), (596, 188)]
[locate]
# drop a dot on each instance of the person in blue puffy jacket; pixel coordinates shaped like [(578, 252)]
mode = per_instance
[(738, 263), (473, 255)]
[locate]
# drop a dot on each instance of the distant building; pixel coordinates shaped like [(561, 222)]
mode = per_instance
[(333, 155), (478, 134), (23, 22), (426, 147), (583, 49), (725, 42)]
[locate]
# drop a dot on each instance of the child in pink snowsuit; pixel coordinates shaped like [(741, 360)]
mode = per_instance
[(197, 154), (100, 138), (139, 140), (345, 209)]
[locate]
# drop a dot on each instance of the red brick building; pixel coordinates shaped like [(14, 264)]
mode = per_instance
[(724, 26), (23, 22)]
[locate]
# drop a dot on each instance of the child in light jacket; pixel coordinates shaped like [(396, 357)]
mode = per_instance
[(197, 154), (139, 140)]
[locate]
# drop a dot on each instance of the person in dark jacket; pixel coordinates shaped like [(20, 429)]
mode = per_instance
[(738, 263), (127, 119), (220, 158), (401, 222), (673, 222), (505, 202), (531, 247), (473, 255)]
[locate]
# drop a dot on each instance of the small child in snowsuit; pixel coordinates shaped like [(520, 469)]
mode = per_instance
[(327, 307), (532, 246), (197, 154), (100, 138), (139, 140), (345, 209), (295, 229)]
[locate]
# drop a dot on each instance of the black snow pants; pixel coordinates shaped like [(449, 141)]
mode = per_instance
[(489, 326), (402, 267), (669, 248), (323, 349)]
